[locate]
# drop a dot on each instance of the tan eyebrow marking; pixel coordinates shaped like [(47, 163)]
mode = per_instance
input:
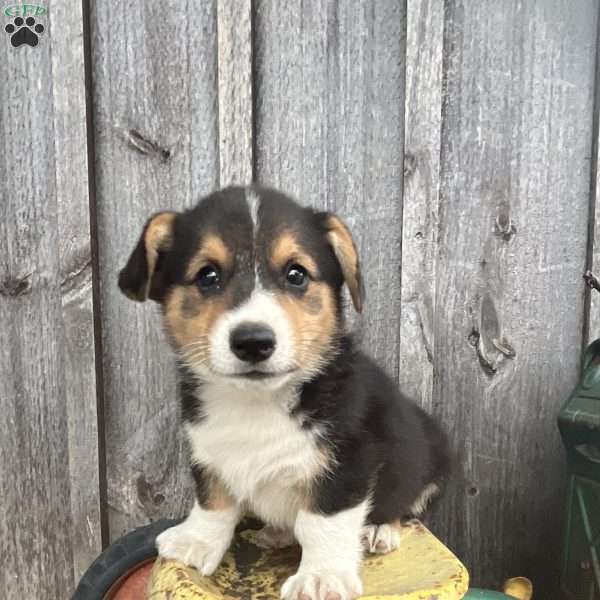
[(212, 249), (286, 248)]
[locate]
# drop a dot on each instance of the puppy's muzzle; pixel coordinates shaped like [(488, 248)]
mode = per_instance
[(252, 342)]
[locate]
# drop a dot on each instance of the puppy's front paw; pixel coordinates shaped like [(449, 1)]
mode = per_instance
[(322, 585), (184, 544), (380, 539)]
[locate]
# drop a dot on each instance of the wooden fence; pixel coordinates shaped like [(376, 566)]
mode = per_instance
[(457, 137)]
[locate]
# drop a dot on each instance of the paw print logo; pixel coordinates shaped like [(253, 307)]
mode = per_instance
[(24, 31)]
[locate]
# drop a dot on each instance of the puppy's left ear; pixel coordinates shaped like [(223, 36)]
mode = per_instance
[(344, 248), (141, 278)]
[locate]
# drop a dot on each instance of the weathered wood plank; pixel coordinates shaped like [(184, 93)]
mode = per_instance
[(592, 304), (235, 91), (420, 218), (157, 146), (48, 449), (70, 143), (517, 112), (329, 93)]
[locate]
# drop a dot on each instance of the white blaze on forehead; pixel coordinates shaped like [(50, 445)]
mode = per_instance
[(253, 201), (261, 307)]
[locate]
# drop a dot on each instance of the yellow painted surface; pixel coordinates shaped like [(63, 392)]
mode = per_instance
[(421, 569)]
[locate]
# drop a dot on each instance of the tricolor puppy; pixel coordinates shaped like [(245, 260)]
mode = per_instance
[(285, 418)]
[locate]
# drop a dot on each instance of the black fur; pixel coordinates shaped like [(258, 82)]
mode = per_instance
[(201, 482), (378, 442), (226, 213), (188, 387)]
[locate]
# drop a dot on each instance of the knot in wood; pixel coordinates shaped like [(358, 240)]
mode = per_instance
[(12, 287)]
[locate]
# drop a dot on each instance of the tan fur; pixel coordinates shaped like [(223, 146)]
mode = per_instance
[(212, 250), (314, 322), (343, 246), (421, 503), (219, 497), (312, 316), (156, 237), (189, 319), (189, 316), (286, 249)]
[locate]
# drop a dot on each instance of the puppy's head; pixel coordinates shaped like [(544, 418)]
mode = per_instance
[(249, 283)]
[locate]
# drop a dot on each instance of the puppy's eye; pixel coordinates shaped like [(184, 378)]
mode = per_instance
[(297, 276), (208, 277)]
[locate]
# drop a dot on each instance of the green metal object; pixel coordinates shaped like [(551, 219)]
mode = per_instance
[(477, 594), (579, 424)]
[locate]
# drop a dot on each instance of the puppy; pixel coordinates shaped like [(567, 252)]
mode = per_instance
[(284, 416)]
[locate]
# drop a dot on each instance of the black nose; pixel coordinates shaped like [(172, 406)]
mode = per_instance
[(252, 342)]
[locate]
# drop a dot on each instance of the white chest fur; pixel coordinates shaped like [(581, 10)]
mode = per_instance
[(260, 452)]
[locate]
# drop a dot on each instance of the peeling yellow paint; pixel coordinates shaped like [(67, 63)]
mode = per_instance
[(421, 569)]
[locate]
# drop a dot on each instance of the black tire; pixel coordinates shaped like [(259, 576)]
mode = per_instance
[(119, 558)]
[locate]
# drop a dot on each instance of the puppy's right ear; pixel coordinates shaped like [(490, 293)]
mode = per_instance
[(140, 278)]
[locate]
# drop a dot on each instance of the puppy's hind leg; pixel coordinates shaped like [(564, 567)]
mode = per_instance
[(381, 539), (384, 538)]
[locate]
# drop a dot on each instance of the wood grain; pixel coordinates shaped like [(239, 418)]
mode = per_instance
[(70, 143), (48, 450), (454, 138), (329, 92), (234, 21), (518, 84), (157, 146), (423, 134), (592, 304)]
